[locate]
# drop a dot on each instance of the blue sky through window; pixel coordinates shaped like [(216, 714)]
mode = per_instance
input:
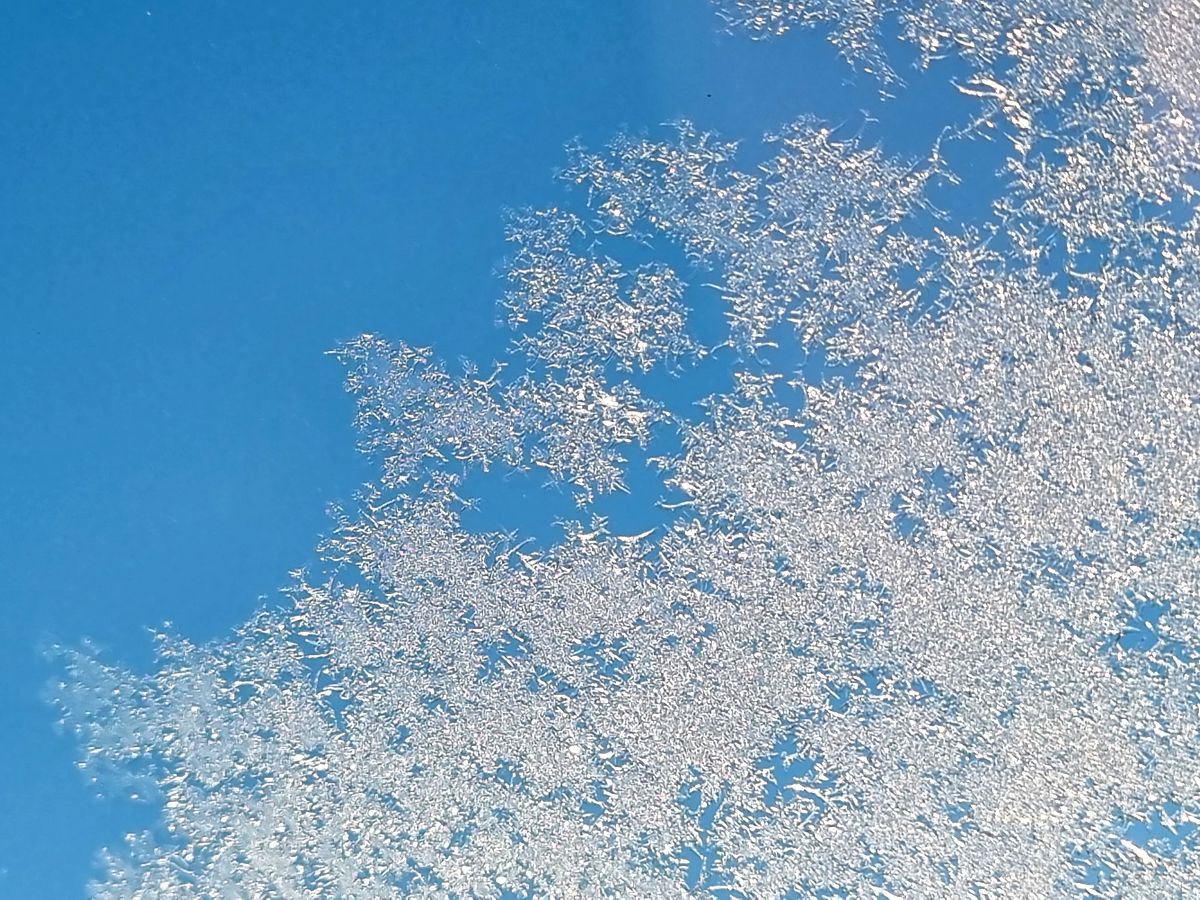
[(203, 202)]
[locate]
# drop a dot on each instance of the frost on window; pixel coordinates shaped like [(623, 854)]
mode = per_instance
[(920, 621)]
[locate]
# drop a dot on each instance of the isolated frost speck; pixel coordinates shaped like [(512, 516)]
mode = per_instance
[(924, 625)]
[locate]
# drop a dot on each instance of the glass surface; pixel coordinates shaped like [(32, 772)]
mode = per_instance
[(768, 463)]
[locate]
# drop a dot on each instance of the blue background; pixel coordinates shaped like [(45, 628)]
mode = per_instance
[(199, 200)]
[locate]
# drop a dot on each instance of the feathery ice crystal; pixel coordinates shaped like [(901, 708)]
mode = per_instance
[(921, 625)]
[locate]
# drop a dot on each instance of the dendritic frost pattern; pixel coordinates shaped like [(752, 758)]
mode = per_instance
[(922, 625)]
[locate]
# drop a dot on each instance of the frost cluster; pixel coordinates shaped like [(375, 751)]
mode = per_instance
[(922, 624)]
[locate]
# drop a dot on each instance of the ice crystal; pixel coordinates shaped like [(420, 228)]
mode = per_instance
[(921, 624)]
